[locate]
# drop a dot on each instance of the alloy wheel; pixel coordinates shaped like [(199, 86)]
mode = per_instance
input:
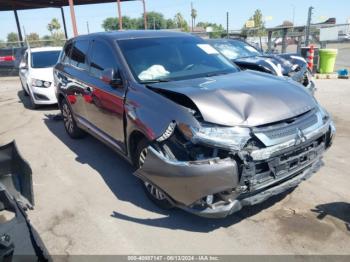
[(67, 118), (155, 192)]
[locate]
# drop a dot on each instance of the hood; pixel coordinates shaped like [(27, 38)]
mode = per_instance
[(45, 74), (245, 98), (280, 65)]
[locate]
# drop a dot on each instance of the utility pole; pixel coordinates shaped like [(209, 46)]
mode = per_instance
[(87, 27), (191, 17), (307, 29), (227, 22), (154, 23), (120, 18)]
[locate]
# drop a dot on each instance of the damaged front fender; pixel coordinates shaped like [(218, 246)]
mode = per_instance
[(186, 182)]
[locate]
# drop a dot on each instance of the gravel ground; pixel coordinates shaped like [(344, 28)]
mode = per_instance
[(88, 201)]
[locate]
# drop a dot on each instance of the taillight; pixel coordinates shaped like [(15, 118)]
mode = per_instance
[(7, 58)]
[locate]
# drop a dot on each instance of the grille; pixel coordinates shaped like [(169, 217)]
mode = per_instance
[(290, 126)]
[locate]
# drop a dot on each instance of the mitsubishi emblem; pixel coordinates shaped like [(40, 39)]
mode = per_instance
[(300, 137)]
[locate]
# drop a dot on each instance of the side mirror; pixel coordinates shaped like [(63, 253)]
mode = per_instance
[(23, 66), (111, 77)]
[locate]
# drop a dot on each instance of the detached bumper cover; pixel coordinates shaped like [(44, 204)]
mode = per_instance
[(17, 236), (187, 182)]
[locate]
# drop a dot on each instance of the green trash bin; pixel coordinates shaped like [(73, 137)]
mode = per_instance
[(327, 60)]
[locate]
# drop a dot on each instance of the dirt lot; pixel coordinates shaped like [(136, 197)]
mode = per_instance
[(88, 202)]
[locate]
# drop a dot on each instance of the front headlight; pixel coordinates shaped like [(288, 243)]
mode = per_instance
[(232, 138), (40, 83)]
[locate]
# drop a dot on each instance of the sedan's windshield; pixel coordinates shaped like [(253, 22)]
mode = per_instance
[(173, 58), (235, 49), (44, 59)]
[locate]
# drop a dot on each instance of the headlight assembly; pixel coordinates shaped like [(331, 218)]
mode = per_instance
[(232, 138), (40, 83)]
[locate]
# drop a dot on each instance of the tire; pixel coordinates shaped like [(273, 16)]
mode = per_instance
[(32, 103), (156, 195), (69, 122), (24, 90)]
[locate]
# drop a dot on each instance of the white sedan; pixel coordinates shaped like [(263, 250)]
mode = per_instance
[(36, 74)]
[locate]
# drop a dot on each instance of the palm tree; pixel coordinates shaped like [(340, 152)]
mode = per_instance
[(54, 25), (193, 15), (179, 20)]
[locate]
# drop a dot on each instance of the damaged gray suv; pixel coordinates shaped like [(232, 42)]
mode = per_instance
[(205, 136)]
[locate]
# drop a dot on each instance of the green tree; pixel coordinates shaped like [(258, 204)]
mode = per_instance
[(2, 43), (180, 22), (53, 26), (47, 40), (170, 24), (112, 23), (33, 37), (12, 37), (217, 32), (259, 25), (156, 20)]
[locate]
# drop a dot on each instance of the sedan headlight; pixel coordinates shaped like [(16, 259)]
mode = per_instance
[(40, 83), (232, 138)]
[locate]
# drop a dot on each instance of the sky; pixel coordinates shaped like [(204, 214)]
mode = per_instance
[(208, 10)]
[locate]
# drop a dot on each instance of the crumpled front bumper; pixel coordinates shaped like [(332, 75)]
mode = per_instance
[(257, 198), (187, 182)]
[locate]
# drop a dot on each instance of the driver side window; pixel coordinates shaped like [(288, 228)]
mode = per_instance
[(101, 58)]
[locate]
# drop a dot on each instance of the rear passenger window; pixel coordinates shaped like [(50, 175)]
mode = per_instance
[(66, 53), (102, 58), (79, 54)]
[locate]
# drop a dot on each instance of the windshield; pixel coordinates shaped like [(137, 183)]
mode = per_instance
[(235, 49), (173, 58), (44, 59)]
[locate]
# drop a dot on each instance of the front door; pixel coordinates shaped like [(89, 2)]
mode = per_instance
[(105, 106)]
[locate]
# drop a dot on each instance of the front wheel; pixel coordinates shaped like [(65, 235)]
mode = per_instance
[(24, 90), (32, 103), (69, 122), (155, 194)]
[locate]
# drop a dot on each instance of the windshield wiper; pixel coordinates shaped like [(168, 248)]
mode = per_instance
[(150, 81), (217, 74)]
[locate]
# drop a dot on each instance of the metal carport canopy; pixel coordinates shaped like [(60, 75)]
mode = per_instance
[(14, 5)]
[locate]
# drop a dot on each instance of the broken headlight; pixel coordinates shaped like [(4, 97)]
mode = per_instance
[(232, 138)]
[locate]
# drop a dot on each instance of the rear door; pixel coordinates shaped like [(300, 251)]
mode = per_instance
[(105, 107), (74, 76)]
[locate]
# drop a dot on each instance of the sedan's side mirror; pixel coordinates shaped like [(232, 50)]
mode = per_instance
[(23, 66), (111, 77)]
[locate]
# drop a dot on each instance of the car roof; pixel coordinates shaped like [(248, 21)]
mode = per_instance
[(223, 40), (46, 48), (135, 34)]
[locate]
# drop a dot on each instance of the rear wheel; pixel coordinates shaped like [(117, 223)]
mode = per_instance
[(69, 123), (156, 195)]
